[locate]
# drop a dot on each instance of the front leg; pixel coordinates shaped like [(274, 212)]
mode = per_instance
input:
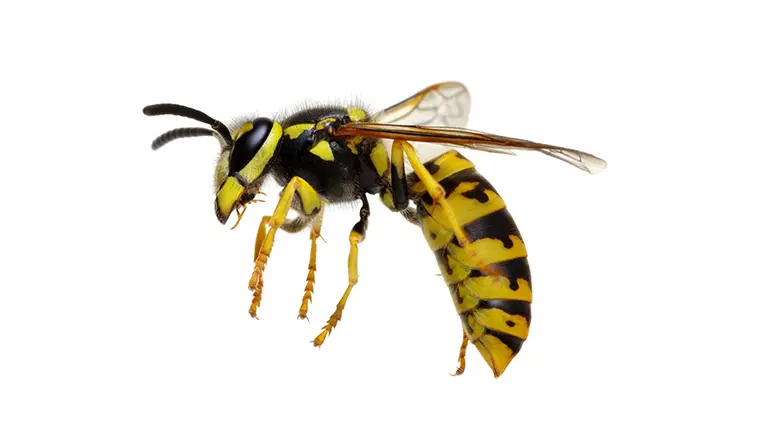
[(310, 206)]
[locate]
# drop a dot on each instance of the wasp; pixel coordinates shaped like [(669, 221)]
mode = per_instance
[(329, 154)]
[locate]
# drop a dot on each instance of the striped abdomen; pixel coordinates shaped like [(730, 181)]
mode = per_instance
[(490, 279)]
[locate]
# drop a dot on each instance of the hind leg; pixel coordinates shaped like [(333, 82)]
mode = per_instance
[(437, 193), (462, 355)]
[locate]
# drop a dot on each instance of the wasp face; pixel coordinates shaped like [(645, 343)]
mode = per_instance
[(242, 169)]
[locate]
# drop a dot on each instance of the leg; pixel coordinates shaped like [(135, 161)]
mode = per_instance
[(310, 206), (309, 289), (395, 195), (240, 213), (257, 286), (437, 194), (355, 237), (434, 189), (462, 355), (291, 226)]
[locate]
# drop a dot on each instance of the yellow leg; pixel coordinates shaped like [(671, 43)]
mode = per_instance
[(257, 285), (311, 204), (437, 194), (240, 213), (355, 237), (315, 233), (435, 190), (462, 355)]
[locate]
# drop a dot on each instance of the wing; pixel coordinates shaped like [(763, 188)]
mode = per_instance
[(470, 139), (444, 104)]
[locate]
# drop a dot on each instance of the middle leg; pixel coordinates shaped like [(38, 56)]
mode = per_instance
[(309, 289), (356, 236)]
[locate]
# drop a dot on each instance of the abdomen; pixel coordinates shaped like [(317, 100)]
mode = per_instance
[(490, 279)]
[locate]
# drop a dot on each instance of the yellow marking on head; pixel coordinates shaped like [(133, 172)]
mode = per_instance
[(449, 164), (466, 209), (228, 195), (380, 158), (356, 114), (295, 130), (496, 319), (490, 250), (222, 169), (256, 166), (498, 287), (322, 150), (243, 129), (496, 354)]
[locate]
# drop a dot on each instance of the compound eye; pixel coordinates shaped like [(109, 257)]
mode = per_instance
[(247, 145)]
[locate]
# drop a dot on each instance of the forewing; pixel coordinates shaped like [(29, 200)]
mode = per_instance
[(470, 139)]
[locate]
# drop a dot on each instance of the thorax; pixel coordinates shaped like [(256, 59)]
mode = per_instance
[(338, 168)]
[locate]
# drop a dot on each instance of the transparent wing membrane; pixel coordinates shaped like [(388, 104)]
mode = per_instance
[(470, 139), (444, 104)]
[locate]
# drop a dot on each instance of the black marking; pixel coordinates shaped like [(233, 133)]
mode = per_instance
[(457, 296), (510, 323), (497, 225), (362, 225), (369, 179), (478, 194), (432, 235), (432, 168), (399, 188), (443, 261), (469, 175), (513, 342), (427, 200), (510, 269), (247, 146), (511, 307), (359, 227), (459, 155), (465, 322), (464, 176)]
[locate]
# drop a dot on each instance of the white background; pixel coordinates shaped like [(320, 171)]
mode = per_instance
[(123, 301)]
